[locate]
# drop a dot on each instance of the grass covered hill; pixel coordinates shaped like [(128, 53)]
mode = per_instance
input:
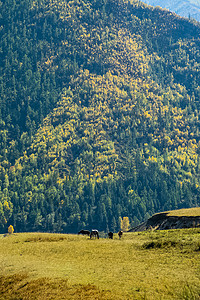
[(148, 265), (99, 105), (188, 212), (175, 219)]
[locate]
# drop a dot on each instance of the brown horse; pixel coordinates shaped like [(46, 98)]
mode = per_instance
[(120, 233), (94, 233), (110, 235), (84, 232)]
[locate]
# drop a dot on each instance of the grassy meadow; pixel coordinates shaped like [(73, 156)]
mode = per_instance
[(142, 265), (185, 212)]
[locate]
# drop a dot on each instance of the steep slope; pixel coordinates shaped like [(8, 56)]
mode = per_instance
[(188, 8), (182, 218), (104, 117)]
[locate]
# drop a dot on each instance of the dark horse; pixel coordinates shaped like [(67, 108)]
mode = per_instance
[(94, 233), (110, 235), (120, 234), (84, 232)]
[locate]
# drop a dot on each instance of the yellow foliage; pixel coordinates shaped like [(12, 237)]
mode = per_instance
[(10, 229), (125, 224), (6, 206)]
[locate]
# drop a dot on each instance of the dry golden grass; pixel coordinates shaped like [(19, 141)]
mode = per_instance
[(19, 287), (185, 212), (147, 265)]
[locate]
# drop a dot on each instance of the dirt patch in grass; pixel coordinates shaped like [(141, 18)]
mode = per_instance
[(18, 287)]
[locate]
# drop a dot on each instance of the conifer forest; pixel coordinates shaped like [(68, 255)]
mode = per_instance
[(99, 113)]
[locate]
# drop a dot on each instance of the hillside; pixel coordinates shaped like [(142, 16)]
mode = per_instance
[(175, 219), (64, 266), (99, 114), (188, 8)]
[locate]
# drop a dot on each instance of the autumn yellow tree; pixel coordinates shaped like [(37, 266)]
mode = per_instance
[(10, 229), (125, 224)]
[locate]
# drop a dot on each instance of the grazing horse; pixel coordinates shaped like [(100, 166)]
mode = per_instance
[(94, 233), (120, 234), (110, 235), (84, 232)]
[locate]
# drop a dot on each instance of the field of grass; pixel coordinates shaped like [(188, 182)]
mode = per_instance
[(142, 265), (185, 212)]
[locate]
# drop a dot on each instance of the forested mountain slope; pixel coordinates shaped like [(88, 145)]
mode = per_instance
[(184, 8), (99, 105)]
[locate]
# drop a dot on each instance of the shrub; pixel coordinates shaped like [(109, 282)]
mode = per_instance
[(159, 244)]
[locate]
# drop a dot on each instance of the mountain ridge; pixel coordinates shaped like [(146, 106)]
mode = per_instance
[(188, 9)]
